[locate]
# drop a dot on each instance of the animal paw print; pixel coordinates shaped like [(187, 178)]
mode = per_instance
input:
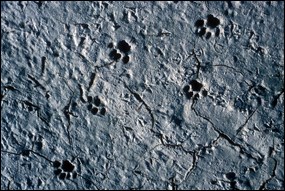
[(94, 105), (193, 89), (64, 169), (208, 27), (122, 48)]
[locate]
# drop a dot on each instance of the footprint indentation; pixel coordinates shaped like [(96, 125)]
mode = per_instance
[(194, 89), (95, 105), (64, 169), (208, 27), (122, 47)]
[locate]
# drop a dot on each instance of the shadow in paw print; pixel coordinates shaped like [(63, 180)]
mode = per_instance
[(199, 23), (212, 21), (114, 55), (110, 45), (232, 176), (196, 86), (123, 46), (67, 166), (126, 59), (208, 27), (64, 169)]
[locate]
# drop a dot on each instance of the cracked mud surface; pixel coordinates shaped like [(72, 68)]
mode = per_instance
[(142, 95)]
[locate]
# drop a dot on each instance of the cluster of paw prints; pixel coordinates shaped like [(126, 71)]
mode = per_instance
[(122, 48), (193, 89), (64, 170), (95, 106), (208, 27)]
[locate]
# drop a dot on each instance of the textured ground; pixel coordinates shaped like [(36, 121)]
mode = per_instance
[(142, 95)]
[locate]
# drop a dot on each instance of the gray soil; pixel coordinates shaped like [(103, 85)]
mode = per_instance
[(142, 95)]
